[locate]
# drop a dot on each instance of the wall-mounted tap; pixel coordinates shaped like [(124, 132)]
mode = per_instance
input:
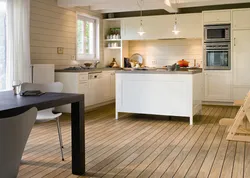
[(96, 63)]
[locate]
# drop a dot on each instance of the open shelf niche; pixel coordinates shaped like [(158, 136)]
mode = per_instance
[(115, 47)]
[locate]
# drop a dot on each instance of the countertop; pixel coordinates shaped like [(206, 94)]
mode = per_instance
[(88, 70), (193, 71), (119, 70)]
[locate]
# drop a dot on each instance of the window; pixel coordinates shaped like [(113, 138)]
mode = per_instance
[(2, 46), (87, 38)]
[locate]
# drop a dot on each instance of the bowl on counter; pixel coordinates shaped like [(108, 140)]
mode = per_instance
[(87, 64)]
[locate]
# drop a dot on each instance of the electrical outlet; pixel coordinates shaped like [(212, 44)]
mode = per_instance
[(154, 62), (60, 50), (73, 57)]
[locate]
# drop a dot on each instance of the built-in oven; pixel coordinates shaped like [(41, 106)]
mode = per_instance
[(217, 56), (217, 33)]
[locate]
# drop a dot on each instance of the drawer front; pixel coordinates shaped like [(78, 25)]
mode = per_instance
[(222, 16), (83, 77)]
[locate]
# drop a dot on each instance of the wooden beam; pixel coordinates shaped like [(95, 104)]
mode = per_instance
[(131, 6), (74, 3), (170, 7), (209, 3), (114, 6), (128, 6)]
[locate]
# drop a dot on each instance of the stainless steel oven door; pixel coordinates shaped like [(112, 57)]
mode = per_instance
[(217, 57)]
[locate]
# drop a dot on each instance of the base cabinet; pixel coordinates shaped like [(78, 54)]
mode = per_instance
[(98, 88), (112, 83), (101, 89), (108, 86), (218, 86)]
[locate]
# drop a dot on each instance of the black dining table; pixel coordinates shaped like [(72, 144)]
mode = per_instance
[(12, 105)]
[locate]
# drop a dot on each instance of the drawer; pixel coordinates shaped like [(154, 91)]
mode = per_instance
[(83, 77), (216, 16)]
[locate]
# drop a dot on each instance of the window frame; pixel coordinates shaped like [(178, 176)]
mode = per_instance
[(5, 81), (96, 22)]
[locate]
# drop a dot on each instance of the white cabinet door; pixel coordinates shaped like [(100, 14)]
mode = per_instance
[(154, 26), (213, 17), (95, 95), (241, 19), (83, 89), (160, 27), (218, 86), (241, 57), (241, 63), (130, 27), (190, 25), (108, 86), (105, 86), (112, 82)]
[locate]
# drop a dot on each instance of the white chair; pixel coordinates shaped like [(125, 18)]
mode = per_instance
[(14, 133), (47, 114)]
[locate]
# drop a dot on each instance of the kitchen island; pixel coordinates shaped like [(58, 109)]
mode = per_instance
[(177, 93)]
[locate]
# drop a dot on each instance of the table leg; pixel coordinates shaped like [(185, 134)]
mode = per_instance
[(78, 138), (116, 115), (191, 120)]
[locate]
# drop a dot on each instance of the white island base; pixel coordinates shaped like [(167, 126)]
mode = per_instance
[(159, 93)]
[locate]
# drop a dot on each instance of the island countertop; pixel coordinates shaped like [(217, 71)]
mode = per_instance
[(158, 72)]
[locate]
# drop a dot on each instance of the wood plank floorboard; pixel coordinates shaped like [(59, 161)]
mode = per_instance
[(140, 146)]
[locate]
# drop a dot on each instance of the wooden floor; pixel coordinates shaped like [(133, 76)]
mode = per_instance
[(141, 146)]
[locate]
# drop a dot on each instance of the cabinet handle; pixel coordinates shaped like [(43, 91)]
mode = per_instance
[(234, 41)]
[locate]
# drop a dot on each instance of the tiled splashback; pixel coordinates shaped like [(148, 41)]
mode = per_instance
[(158, 53)]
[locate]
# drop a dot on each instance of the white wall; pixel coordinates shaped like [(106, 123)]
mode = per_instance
[(167, 52), (52, 27)]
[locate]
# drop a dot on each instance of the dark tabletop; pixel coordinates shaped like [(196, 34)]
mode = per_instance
[(11, 104)]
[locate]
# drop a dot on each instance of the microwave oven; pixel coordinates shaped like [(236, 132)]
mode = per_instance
[(217, 33)]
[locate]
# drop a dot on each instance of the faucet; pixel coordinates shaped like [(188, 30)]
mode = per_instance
[(96, 63)]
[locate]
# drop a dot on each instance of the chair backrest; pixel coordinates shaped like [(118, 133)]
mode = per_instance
[(14, 133), (56, 87)]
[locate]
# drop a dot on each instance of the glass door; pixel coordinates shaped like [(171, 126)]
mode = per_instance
[(217, 58)]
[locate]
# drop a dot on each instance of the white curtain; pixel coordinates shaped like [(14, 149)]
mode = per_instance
[(18, 41)]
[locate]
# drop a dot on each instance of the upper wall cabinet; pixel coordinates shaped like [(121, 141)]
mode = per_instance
[(160, 27), (241, 19), (190, 25), (151, 25), (216, 17)]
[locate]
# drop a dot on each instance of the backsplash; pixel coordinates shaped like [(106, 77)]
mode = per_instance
[(158, 53)]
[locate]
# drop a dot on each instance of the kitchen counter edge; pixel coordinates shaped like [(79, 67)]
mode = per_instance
[(88, 70), (158, 72)]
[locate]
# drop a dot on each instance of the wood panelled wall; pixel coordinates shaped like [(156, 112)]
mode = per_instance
[(51, 27)]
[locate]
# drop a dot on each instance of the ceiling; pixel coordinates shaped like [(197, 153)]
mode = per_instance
[(171, 6)]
